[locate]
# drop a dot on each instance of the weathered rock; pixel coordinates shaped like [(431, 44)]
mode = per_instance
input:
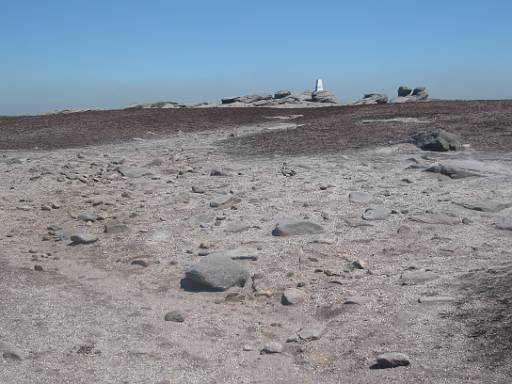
[(311, 332), (296, 228), (224, 200), (485, 205), (292, 296), (218, 273), (437, 140), (436, 218), (505, 224), (391, 360), (175, 316), (88, 216), (115, 228), (82, 238), (272, 347), (8, 352), (404, 91), (218, 172), (281, 94), (436, 299), (452, 171), (133, 172), (376, 213), (359, 197), (372, 99), (196, 189), (323, 97)]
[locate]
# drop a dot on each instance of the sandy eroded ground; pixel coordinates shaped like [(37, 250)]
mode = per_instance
[(95, 312)]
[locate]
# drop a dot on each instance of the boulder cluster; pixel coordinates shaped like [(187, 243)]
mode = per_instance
[(283, 97), (405, 95)]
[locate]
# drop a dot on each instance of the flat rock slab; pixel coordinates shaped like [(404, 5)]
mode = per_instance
[(295, 228), (485, 206), (224, 200), (133, 172), (505, 224), (376, 213), (436, 299), (436, 218), (453, 171), (359, 197), (217, 273)]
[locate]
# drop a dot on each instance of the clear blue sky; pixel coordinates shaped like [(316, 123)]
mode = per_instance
[(110, 53)]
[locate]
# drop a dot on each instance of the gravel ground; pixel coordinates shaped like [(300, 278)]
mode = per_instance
[(82, 313)]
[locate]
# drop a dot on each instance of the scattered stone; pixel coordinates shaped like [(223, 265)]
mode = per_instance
[(133, 172), (291, 227), (224, 200), (248, 348), (140, 262), (376, 213), (10, 353), (88, 217), (485, 206), (115, 228), (311, 332), (286, 171), (292, 296), (175, 316), (82, 238), (272, 347), (263, 292), (359, 197), (45, 207), (505, 224), (218, 172), (38, 268), (391, 360), (198, 190), (436, 299), (436, 218), (217, 273), (358, 264)]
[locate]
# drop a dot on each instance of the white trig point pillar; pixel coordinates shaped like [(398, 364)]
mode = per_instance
[(319, 85)]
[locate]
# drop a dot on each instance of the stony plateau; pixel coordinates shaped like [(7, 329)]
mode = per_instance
[(257, 245)]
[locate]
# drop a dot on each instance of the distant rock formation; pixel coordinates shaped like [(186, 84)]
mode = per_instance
[(405, 95), (284, 98), (372, 99)]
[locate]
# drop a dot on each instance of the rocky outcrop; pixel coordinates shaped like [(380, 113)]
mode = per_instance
[(323, 97), (437, 140), (406, 96), (404, 91), (281, 94), (372, 99)]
